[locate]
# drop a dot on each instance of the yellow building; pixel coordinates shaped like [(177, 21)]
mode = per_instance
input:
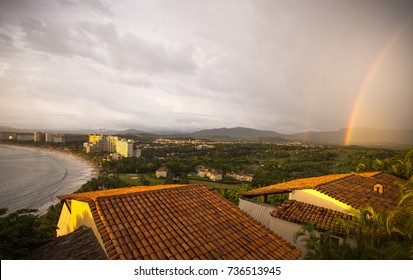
[(94, 138)]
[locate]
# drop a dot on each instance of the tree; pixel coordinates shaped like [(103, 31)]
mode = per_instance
[(400, 225), (366, 233), (234, 193), (22, 231), (404, 166), (144, 181)]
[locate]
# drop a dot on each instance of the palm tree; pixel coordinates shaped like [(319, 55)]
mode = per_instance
[(403, 167), (400, 225), (366, 233), (308, 235), (318, 246)]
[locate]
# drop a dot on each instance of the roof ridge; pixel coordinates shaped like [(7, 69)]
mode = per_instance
[(284, 186), (345, 175), (94, 195)]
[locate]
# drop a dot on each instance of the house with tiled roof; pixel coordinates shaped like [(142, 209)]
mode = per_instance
[(162, 172), (240, 176), (170, 222), (321, 200), (212, 174)]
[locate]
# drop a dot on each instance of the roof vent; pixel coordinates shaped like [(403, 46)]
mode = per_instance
[(378, 189)]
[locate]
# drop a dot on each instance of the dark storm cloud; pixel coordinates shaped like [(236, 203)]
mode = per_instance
[(128, 51), (104, 44)]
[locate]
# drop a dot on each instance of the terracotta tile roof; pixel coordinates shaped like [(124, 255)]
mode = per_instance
[(114, 192), (358, 191), (303, 213), (306, 183), (388, 179), (78, 245), (179, 222), (355, 190)]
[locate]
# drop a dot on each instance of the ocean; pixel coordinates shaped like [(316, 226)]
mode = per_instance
[(33, 177)]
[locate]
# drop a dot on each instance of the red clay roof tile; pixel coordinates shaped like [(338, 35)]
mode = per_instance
[(179, 222), (303, 213), (355, 190)]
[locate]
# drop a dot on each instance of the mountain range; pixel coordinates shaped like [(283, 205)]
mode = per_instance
[(359, 136)]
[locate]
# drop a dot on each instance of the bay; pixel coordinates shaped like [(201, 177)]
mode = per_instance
[(34, 177)]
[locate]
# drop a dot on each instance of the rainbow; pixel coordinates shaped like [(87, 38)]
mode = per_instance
[(369, 75)]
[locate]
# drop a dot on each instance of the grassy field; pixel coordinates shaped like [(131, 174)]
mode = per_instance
[(211, 184), (135, 179)]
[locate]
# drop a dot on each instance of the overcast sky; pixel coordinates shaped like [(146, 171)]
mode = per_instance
[(287, 66)]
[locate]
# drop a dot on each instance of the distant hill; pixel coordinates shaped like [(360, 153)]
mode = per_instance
[(237, 133), (359, 136), (322, 137), (368, 136), (129, 132)]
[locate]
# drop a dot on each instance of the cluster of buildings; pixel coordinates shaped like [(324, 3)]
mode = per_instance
[(215, 175), (112, 144), (49, 137), (240, 176), (38, 137), (198, 144), (212, 174)]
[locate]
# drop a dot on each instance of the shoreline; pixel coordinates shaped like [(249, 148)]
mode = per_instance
[(58, 150), (38, 190)]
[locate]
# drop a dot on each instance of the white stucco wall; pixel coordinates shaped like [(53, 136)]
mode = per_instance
[(317, 198), (261, 212), (287, 230), (79, 215), (257, 210)]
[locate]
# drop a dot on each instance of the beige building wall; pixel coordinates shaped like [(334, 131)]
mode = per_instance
[(79, 215), (39, 137), (125, 148), (215, 177), (161, 173), (110, 143), (287, 230), (49, 137), (317, 198)]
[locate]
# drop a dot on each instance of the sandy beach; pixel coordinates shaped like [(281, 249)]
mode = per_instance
[(33, 177)]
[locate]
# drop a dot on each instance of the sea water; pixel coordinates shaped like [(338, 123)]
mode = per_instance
[(34, 177)]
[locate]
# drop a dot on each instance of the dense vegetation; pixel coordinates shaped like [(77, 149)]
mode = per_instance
[(24, 230), (269, 163)]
